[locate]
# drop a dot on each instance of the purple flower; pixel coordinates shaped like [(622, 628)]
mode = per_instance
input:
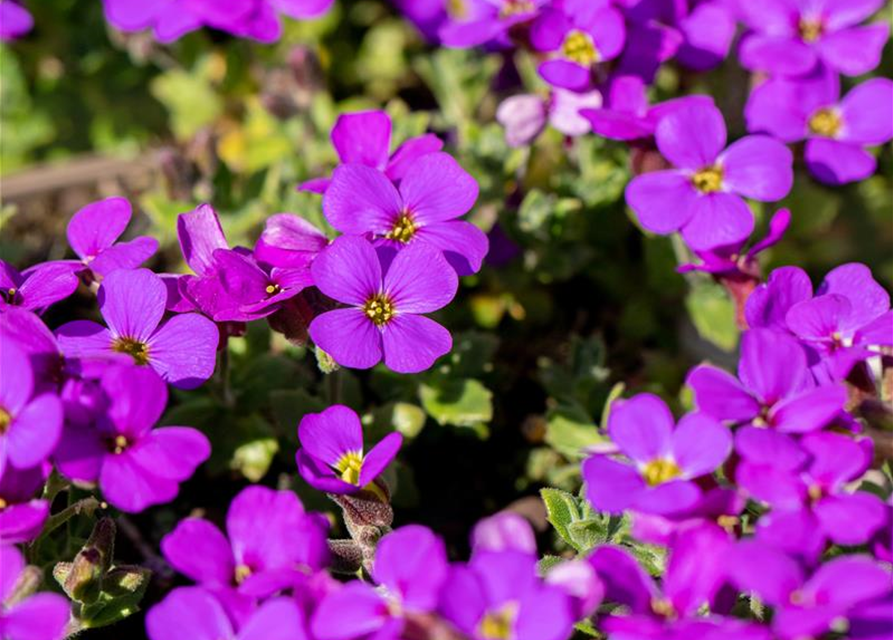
[(21, 514), (94, 230), (32, 336), (410, 569), (383, 318), (30, 421), (364, 137), (183, 349), (476, 22), (708, 183), (194, 613), (836, 131), (708, 29), (792, 36), (43, 616), (331, 456), (268, 535), (498, 595), (15, 21), (200, 235), (38, 287), (524, 116), (578, 35), (503, 532), (806, 607), (663, 461), (774, 387), (135, 465), (434, 191), (289, 242)]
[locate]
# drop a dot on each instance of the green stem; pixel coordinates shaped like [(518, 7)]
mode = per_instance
[(86, 506)]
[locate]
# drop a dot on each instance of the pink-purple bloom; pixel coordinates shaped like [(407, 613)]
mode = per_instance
[(15, 20), (707, 182), (288, 242), (21, 513), (42, 616), (38, 287), (525, 116), (478, 22), (383, 318), (332, 457)]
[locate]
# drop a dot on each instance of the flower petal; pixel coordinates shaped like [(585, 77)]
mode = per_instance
[(776, 55), (47, 284), (379, 457), (717, 220), (355, 611), (692, 136), (463, 244), (420, 280), (854, 281), (719, 394), (412, 562), (412, 343), (131, 487), (330, 434), (648, 195), (758, 167), (363, 137), (700, 445), (200, 234), (809, 410), (132, 303), (277, 619), (610, 485), (320, 476), (850, 520), (188, 612), (867, 112), (198, 550), (835, 162), (772, 365), (361, 200), (349, 337), (34, 431), (84, 339), (348, 270), (856, 50), (43, 616), (17, 384), (436, 189), (642, 427), (768, 572), (172, 453), (767, 446), (184, 350), (407, 153), (95, 227), (124, 255), (768, 305)]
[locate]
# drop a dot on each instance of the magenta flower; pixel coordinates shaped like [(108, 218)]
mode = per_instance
[(364, 137), (93, 232), (498, 595), (43, 616), (774, 387), (708, 30), (135, 465), (200, 235), (331, 456), (503, 532), (663, 461), (32, 336), (183, 349), (837, 132), (525, 116), (806, 606), (708, 183), (578, 34), (410, 569), (477, 22), (22, 514), (268, 534), (791, 36), (434, 191), (38, 287), (30, 420), (383, 318), (15, 21), (194, 613), (289, 242)]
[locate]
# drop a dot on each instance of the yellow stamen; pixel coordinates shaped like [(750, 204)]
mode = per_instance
[(3, 504), (137, 350), (121, 444), (404, 229), (242, 573), (728, 522), (815, 492), (379, 309), (516, 7), (499, 624), (708, 179), (579, 47), (663, 607), (5, 420), (10, 294), (660, 470), (811, 29), (349, 466), (457, 9), (826, 123), (272, 289)]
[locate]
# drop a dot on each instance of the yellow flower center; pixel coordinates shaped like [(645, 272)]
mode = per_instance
[(663, 608), (379, 309), (516, 7), (457, 9), (137, 350), (242, 573), (404, 229), (5, 421), (825, 122), (660, 470), (811, 29), (9, 295), (579, 47), (349, 466), (3, 504), (119, 444), (499, 624), (272, 289), (708, 179), (815, 492)]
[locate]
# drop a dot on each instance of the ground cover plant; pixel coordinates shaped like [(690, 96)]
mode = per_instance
[(446, 319)]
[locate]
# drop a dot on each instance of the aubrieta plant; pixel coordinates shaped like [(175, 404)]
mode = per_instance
[(311, 321)]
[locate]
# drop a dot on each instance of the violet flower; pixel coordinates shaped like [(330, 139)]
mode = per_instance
[(200, 235), (93, 232), (503, 531), (364, 137), (525, 116), (708, 183), (663, 460), (434, 191), (21, 514), (194, 613), (331, 457), (42, 616), (32, 336), (183, 349), (577, 35), (135, 465), (837, 131), (477, 22), (268, 534), (38, 287), (30, 420), (806, 606), (791, 37), (383, 318), (708, 30), (289, 242), (15, 21), (410, 568)]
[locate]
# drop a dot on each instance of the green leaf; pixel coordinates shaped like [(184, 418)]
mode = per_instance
[(713, 313), (570, 430), (561, 511), (461, 403), (546, 563), (253, 459), (190, 99)]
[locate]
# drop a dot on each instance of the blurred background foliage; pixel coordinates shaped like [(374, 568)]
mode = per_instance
[(575, 306)]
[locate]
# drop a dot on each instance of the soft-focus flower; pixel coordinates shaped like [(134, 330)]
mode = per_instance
[(383, 319), (135, 465), (331, 457), (524, 116), (269, 537), (410, 569), (663, 460), (708, 183), (837, 131), (22, 514), (476, 22), (30, 420), (289, 242), (806, 606), (364, 137), (183, 349), (194, 613), (93, 232), (578, 34), (15, 21), (434, 191), (32, 336), (791, 37), (38, 287), (504, 531), (708, 30), (42, 616)]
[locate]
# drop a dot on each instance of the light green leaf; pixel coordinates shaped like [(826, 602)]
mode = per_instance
[(461, 403), (713, 313)]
